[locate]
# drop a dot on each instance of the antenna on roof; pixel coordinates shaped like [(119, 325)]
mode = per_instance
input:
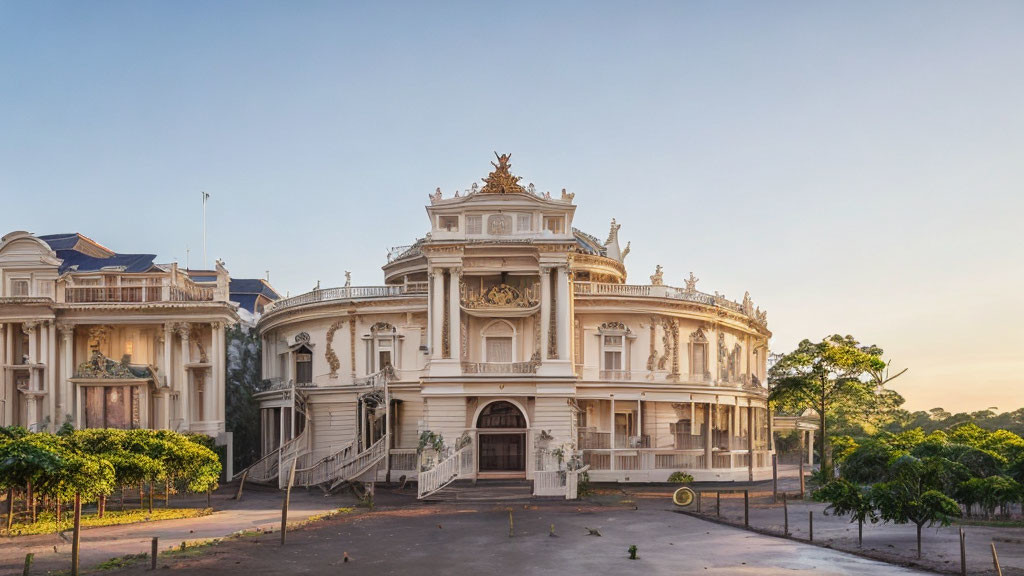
[(205, 198), (268, 275), (187, 253)]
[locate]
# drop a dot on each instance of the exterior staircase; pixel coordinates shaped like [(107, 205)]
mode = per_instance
[(466, 490), (345, 465)]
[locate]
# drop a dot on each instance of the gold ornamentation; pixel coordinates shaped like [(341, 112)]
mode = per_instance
[(332, 358), (500, 180), (99, 366), (501, 296)]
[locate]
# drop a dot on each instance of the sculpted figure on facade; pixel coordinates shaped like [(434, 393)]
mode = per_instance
[(658, 278), (691, 284)]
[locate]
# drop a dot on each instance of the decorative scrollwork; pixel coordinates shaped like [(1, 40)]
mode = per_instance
[(502, 296), (302, 338)]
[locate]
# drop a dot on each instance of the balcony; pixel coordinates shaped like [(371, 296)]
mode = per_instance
[(499, 367), (688, 294), (348, 293)]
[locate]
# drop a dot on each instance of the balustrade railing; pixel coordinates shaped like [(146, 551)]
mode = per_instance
[(263, 470), (549, 482), (399, 252), (136, 294), (661, 291), (572, 482), (342, 465), (347, 293), (403, 459), (499, 367), (445, 472)]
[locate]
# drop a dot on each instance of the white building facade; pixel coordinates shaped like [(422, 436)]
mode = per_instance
[(515, 339), (105, 340)]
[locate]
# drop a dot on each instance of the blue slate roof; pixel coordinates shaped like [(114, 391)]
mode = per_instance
[(588, 244), (65, 247), (246, 291)]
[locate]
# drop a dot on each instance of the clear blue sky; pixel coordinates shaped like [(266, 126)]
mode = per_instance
[(857, 167)]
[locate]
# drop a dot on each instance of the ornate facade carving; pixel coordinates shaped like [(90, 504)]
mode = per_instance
[(500, 296), (197, 338), (332, 358), (499, 224), (691, 284), (98, 336), (99, 366), (658, 278)]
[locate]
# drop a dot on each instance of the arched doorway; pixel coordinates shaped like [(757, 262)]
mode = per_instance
[(501, 429)]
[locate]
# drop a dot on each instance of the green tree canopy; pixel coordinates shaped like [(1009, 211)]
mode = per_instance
[(913, 494), (837, 376)]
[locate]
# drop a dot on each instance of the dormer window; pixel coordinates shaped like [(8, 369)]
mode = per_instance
[(449, 223), (555, 224), (474, 224)]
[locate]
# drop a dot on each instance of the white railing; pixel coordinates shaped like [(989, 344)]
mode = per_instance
[(661, 291), (445, 472), (135, 294), (549, 482), (499, 367), (342, 465), (403, 459), (375, 380), (263, 470), (572, 482), (346, 293), (400, 252), (288, 454)]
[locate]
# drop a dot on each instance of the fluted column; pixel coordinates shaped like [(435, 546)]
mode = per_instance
[(563, 322), (215, 392), (545, 312), (4, 420), (454, 315), (51, 376), (168, 373), (183, 379), (437, 314), (65, 403)]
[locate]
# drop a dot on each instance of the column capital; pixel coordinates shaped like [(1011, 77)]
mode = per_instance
[(67, 330), (30, 327), (184, 330), (216, 325)]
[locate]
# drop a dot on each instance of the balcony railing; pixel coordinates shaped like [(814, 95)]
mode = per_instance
[(347, 293), (401, 252), (594, 440), (499, 367), (136, 294), (661, 291)]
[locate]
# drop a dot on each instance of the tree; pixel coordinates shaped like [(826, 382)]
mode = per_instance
[(912, 495), (242, 381), (831, 377), (845, 497), (868, 462)]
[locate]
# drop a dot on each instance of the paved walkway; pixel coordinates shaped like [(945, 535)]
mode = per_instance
[(259, 508)]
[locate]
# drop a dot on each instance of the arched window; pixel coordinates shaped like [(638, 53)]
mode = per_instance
[(499, 342), (303, 365), (501, 414)]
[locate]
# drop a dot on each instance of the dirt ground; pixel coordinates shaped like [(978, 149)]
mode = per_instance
[(895, 543), (405, 537)]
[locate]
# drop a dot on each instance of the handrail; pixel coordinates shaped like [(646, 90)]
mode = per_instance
[(263, 470), (445, 472), (572, 482), (338, 466)]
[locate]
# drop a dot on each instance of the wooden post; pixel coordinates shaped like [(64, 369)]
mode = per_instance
[(241, 484), (810, 525), (209, 498), (511, 525), (698, 501), (287, 497), (860, 532), (10, 509), (785, 515), (28, 563), (31, 503), (995, 560), (153, 553), (150, 496), (746, 508), (963, 553), (167, 492), (718, 504), (76, 536), (775, 478)]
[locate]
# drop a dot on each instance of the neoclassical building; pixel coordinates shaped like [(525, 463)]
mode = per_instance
[(507, 344), (101, 339)]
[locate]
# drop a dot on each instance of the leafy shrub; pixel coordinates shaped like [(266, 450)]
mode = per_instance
[(680, 477)]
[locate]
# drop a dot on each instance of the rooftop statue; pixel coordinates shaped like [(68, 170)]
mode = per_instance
[(691, 284), (500, 180), (658, 278)]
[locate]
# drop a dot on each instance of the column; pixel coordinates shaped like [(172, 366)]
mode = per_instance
[(564, 323), (810, 447), (454, 315), (183, 379), (750, 441), (4, 420), (545, 311), (611, 436), (67, 332), (437, 314), (215, 388), (56, 419), (168, 374), (709, 444)]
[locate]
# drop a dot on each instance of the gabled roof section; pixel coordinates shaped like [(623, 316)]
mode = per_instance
[(79, 253), (254, 286)]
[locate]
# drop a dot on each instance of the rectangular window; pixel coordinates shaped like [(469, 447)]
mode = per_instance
[(303, 368), (613, 360), (524, 222), (474, 224), (383, 359), (554, 223), (19, 287), (697, 364), (499, 349), (449, 223)]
